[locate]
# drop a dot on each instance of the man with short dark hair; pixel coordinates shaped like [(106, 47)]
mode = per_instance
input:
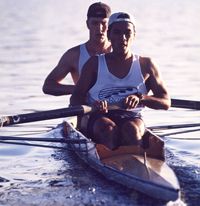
[(73, 60), (123, 78)]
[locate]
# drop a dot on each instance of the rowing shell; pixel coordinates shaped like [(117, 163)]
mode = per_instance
[(127, 165)]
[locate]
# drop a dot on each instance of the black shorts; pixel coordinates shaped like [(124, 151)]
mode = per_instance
[(117, 116)]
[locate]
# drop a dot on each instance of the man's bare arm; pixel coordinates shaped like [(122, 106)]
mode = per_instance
[(160, 98), (67, 64)]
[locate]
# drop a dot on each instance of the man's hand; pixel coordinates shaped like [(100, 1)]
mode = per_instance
[(131, 101), (101, 106)]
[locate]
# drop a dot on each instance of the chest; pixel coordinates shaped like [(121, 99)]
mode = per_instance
[(119, 69)]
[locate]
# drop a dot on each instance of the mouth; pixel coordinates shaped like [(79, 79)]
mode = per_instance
[(123, 45), (99, 34)]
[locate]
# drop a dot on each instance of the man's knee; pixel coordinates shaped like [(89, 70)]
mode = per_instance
[(103, 126), (131, 133), (130, 128)]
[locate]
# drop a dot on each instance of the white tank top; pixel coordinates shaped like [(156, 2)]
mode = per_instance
[(113, 89), (83, 57)]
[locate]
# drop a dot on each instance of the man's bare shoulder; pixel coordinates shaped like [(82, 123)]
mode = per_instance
[(147, 64), (91, 65), (144, 61), (72, 53), (70, 59), (74, 49)]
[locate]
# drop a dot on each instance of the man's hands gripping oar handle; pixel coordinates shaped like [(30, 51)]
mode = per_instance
[(77, 110), (49, 114)]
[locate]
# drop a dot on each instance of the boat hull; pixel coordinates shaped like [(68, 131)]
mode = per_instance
[(127, 165)]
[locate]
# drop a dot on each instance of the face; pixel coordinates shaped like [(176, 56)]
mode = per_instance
[(121, 35), (98, 28)]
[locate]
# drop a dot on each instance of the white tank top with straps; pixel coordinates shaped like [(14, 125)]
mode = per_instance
[(113, 89), (83, 57)]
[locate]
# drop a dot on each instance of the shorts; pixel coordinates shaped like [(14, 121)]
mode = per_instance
[(117, 116)]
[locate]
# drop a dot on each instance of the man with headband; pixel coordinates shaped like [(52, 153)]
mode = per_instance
[(73, 60), (120, 78)]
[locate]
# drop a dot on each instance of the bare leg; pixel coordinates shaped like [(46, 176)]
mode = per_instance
[(106, 132), (132, 132)]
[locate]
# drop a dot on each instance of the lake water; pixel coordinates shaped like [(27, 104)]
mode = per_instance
[(33, 36)]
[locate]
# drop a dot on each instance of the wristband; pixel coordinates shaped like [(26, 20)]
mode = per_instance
[(140, 96)]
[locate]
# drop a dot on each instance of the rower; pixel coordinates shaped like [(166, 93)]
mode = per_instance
[(73, 59), (119, 76)]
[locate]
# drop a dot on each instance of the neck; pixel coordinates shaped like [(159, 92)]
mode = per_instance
[(120, 56), (97, 47)]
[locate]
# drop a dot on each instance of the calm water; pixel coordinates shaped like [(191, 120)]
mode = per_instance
[(34, 35)]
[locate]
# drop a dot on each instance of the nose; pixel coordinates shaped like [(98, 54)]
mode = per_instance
[(100, 27), (123, 37)]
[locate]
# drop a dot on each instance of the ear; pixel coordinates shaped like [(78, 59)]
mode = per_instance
[(134, 31), (108, 34), (87, 23)]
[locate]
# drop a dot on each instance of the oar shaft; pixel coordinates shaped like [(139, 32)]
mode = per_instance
[(45, 115), (38, 139), (187, 104), (179, 132), (32, 145), (175, 126)]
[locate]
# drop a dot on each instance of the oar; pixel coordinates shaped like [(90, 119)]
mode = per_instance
[(179, 132), (17, 141), (45, 115), (50, 114), (188, 104), (40, 145), (41, 139), (174, 126), (74, 111), (33, 145)]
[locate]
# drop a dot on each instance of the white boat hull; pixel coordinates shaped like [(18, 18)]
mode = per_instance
[(126, 165)]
